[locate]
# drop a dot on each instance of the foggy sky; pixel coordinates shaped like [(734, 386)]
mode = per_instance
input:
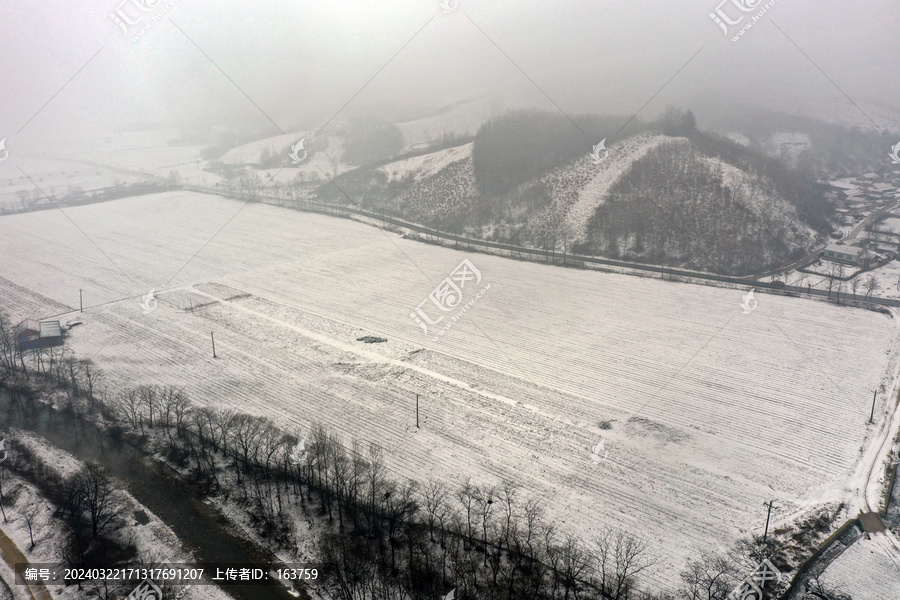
[(301, 61)]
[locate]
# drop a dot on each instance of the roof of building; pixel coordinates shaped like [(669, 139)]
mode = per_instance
[(50, 329), (843, 249)]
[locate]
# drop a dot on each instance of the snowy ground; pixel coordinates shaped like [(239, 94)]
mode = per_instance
[(887, 279), (713, 411), (51, 177), (864, 572), (250, 153), (427, 164), (891, 223)]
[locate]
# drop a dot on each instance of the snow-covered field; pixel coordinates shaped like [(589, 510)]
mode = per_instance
[(713, 411), (865, 572), (50, 177)]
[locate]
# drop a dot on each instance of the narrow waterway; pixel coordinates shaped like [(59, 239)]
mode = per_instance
[(201, 528)]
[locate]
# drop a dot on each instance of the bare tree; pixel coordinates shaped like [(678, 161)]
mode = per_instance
[(840, 280), (9, 349), (872, 285), (484, 503), (149, 397), (2, 480), (30, 514), (574, 563), (710, 578), (92, 377), (180, 407), (832, 268), (172, 399), (24, 196), (466, 496), (374, 478), (618, 559), (129, 403), (817, 589), (99, 498), (434, 501)]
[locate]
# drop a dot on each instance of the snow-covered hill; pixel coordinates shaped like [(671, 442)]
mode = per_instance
[(579, 188), (426, 165)]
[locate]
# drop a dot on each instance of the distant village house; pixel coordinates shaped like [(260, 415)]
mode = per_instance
[(853, 255)]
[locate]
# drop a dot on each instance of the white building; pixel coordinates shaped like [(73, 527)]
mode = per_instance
[(853, 255)]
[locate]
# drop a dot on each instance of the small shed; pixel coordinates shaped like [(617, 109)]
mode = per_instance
[(33, 334)]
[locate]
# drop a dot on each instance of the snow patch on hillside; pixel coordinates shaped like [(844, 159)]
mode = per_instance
[(463, 119), (738, 138), (621, 156), (250, 153), (753, 193), (427, 164), (786, 144)]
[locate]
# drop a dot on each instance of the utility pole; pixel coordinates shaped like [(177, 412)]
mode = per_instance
[(769, 514), (417, 411), (874, 396), (213, 343), (80, 301)]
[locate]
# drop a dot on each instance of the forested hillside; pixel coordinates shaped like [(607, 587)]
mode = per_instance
[(669, 195), (679, 206)]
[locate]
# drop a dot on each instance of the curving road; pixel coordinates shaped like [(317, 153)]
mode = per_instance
[(12, 555)]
